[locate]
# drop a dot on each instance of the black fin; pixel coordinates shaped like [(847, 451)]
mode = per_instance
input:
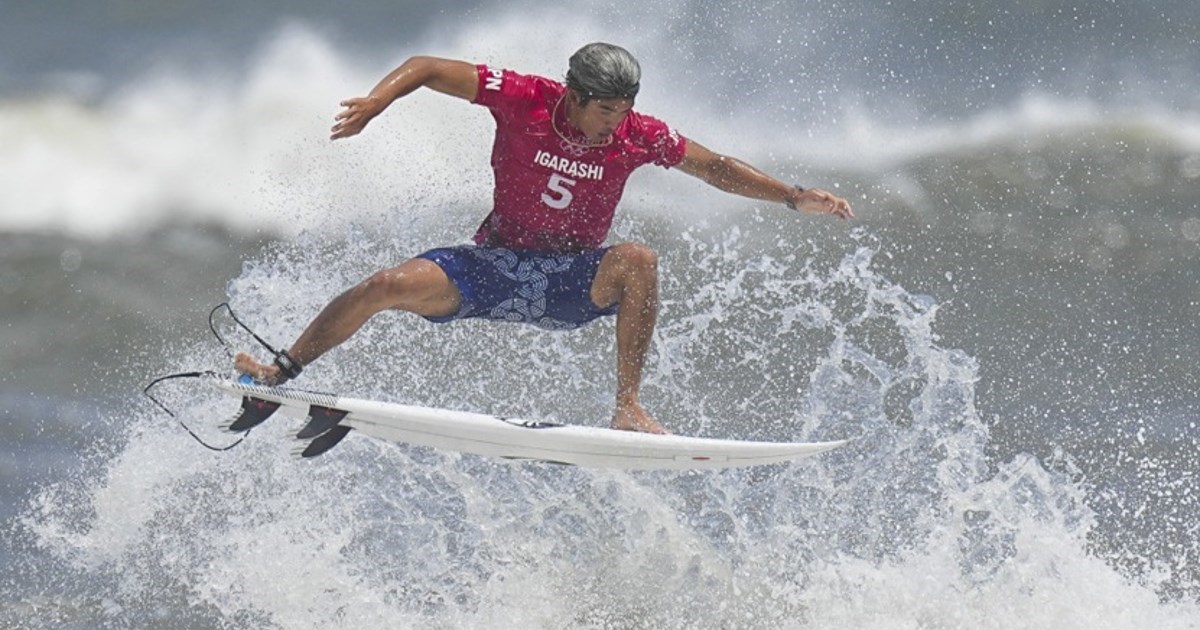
[(254, 412), (320, 420), (325, 441)]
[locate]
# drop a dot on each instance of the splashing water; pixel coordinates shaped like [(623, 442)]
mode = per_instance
[(910, 525)]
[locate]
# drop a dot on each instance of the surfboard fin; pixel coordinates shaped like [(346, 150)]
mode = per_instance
[(320, 420), (254, 412), (325, 441)]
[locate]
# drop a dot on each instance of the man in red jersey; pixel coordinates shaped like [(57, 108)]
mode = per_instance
[(561, 157)]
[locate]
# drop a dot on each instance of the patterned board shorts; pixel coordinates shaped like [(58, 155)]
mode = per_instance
[(548, 289)]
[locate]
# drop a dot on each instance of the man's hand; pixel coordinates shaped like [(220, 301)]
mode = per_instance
[(821, 202), (456, 78), (735, 176), (261, 372), (358, 112)]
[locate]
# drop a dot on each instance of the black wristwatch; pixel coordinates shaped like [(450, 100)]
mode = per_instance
[(789, 202), (289, 368)]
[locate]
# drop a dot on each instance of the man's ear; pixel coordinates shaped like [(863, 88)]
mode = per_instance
[(575, 99)]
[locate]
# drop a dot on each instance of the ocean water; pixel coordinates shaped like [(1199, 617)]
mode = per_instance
[(1008, 333)]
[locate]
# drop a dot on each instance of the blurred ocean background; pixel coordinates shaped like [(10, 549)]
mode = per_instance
[(1008, 333)]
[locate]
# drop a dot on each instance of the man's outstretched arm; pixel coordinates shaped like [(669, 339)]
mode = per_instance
[(456, 78), (737, 177)]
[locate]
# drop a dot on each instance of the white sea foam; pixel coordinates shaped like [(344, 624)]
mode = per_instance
[(909, 526)]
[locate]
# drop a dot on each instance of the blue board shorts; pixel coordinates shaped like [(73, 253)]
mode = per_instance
[(548, 289)]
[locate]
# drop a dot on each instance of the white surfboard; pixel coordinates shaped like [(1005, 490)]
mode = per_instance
[(331, 417)]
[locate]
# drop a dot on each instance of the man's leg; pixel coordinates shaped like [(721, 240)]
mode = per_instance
[(417, 286), (628, 277)]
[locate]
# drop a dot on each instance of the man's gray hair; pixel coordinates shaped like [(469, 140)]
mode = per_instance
[(602, 70)]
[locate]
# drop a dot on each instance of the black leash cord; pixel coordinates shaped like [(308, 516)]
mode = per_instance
[(172, 413), (288, 367), (212, 325)]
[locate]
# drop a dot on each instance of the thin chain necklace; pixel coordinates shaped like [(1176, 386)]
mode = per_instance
[(590, 144)]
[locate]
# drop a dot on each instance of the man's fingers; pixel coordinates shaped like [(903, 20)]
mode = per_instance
[(351, 107), (351, 120), (829, 203), (349, 123), (835, 205), (351, 110), (841, 209), (345, 130)]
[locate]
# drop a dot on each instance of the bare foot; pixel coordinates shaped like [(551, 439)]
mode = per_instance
[(632, 417), (263, 373)]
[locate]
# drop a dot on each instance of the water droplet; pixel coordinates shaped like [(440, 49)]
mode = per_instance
[(70, 260)]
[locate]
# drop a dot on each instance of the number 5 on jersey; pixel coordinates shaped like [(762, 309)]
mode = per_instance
[(558, 194)]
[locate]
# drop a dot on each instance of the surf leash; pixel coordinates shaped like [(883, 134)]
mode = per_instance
[(288, 367), (167, 409)]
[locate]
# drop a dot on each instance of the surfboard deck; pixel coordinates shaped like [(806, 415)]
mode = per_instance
[(330, 417)]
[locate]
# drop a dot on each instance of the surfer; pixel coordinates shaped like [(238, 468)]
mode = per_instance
[(561, 156)]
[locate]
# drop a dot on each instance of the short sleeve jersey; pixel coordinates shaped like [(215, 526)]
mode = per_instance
[(552, 194)]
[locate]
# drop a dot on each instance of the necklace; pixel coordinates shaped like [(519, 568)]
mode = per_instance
[(590, 144)]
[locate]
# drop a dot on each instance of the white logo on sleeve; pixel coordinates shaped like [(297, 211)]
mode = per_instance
[(493, 80)]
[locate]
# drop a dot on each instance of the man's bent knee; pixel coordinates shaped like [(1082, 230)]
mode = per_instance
[(624, 265)]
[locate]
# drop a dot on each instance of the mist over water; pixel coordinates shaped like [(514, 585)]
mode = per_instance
[(1007, 334)]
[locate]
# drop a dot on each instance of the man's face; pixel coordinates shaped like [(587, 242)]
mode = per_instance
[(600, 116)]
